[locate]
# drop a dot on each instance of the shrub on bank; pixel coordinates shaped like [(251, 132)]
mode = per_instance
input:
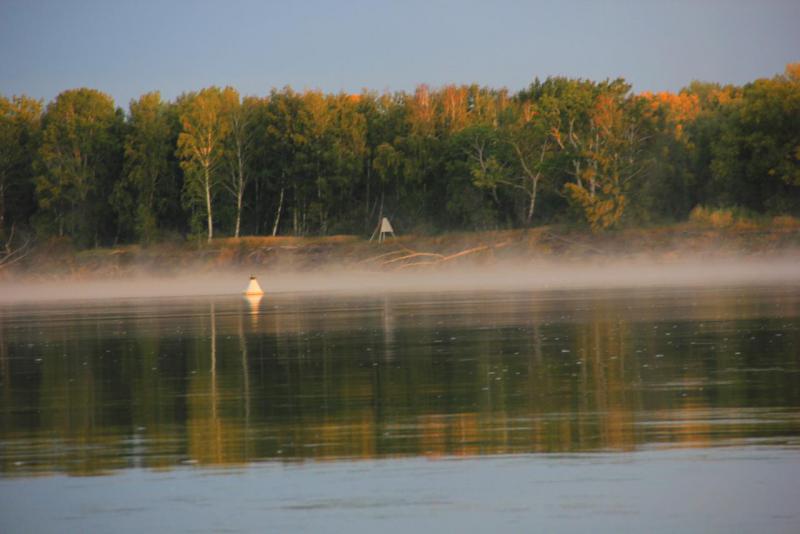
[(731, 218)]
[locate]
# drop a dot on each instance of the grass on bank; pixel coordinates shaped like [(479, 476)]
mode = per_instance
[(739, 219)]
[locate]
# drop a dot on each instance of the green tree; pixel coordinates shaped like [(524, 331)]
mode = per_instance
[(80, 158), (313, 143), (323, 137), (756, 157), (385, 122), (19, 141), (201, 147), (277, 155), (420, 194), (149, 184), (345, 163)]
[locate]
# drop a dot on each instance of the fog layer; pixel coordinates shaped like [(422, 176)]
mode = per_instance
[(588, 274)]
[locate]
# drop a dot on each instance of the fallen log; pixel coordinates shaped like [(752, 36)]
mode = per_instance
[(464, 253)]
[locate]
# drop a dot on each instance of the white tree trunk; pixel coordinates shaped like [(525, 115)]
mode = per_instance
[(532, 205), (208, 204), (239, 185), (239, 196), (278, 215)]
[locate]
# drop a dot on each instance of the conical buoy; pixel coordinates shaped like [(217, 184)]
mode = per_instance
[(253, 288)]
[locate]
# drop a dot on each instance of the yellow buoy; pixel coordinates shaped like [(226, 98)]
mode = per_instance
[(253, 288)]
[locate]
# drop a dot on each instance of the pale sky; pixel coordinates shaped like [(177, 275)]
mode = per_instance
[(126, 48)]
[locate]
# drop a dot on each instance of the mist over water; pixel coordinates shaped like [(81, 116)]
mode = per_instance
[(605, 398), (586, 273)]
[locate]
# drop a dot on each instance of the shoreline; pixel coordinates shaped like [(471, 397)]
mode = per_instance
[(542, 258), (58, 260)]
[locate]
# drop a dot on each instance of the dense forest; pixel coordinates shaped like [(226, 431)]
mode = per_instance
[(570, 151)]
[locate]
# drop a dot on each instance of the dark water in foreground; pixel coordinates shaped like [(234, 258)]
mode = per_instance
[(659, 409)]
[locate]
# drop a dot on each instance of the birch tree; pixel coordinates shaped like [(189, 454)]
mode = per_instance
[(239, 141), (200, 147), (612, 156), (518, 155)]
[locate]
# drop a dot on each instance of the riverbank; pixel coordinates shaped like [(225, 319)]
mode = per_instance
[(544, 258), (59, 260)]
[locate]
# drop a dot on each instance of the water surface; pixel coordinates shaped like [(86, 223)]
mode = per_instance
[(303, 409)]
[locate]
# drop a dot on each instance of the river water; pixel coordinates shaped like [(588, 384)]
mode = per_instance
[(648, 409)]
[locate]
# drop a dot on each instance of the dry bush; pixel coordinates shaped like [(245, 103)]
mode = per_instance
[(715, 218), (785, 221)]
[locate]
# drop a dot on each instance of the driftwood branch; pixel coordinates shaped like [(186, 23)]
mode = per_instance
[(386, 255), (413, 255), (465, 252), (413, 259)]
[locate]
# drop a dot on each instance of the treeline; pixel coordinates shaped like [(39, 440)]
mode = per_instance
[(563, 150)]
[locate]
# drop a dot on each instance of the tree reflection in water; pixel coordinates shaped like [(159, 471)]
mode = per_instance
[(93, 388)]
